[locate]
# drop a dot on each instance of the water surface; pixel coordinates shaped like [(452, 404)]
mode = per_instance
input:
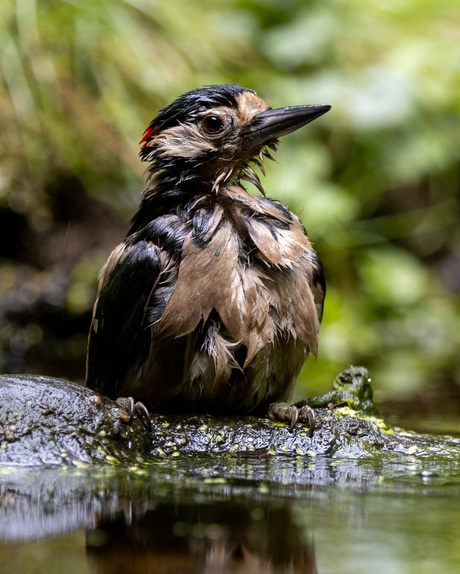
[(234, 515)]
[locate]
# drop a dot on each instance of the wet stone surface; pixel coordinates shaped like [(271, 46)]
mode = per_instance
[(45, 421)]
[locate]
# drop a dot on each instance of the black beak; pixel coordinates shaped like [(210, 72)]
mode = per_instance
[(273, 124)]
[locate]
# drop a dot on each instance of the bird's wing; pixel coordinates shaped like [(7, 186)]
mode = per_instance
[(120, 335)]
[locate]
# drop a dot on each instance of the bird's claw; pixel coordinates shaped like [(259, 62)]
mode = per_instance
[(291, 414), (143, 413), (135, 408)]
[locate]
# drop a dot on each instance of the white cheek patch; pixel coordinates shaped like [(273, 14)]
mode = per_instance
[(184, 140)]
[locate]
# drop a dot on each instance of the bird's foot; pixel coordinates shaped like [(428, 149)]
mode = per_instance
[(135, 408), (291, 414)]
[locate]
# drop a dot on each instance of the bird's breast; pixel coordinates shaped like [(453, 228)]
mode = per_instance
[(253, 270)]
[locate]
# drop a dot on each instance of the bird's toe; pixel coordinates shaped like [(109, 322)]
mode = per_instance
[(135, 408), (291, 414)]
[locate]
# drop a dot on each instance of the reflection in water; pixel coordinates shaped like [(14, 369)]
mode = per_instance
[(168, 520), (234, 536), (191, 515)]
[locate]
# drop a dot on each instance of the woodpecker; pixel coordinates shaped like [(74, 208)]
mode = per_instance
[(214, 299)]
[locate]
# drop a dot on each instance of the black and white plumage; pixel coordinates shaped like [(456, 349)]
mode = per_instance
[(214, 299)]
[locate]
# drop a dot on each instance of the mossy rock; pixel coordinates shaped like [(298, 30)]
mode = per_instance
[(46, 421)]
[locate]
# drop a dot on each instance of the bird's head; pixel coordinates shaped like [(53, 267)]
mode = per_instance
[(212, 134)]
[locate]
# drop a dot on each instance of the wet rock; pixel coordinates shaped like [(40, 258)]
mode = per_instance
[(45, 421)]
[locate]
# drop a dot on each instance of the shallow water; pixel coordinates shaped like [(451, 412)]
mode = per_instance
[(235, 515)]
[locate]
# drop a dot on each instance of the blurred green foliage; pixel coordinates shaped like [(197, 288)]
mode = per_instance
[(376, 181)]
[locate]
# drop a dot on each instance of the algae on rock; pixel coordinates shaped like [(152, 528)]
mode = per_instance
[(45, 421)]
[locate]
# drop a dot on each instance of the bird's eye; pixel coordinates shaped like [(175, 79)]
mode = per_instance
[(213, 124)]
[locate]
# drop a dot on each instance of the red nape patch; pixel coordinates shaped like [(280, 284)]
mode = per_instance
[(148, 134)]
